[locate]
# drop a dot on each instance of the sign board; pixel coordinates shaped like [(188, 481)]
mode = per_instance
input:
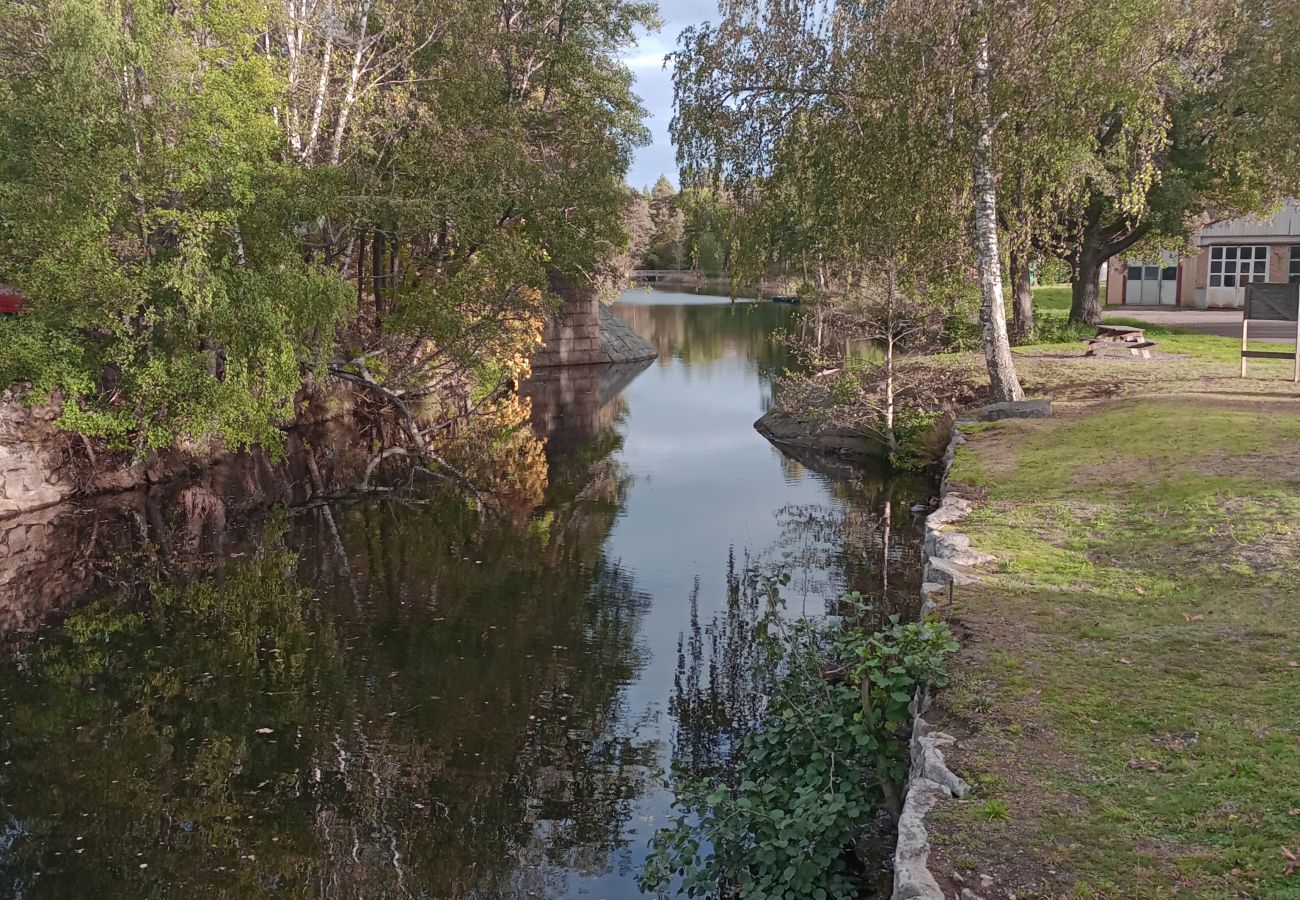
[(1271, 303)]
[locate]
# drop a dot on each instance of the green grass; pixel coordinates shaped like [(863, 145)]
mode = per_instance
[(1057, 336), (1143, 633), (1056, 297)]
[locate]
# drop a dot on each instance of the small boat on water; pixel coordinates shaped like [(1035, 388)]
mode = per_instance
[(785, 298)]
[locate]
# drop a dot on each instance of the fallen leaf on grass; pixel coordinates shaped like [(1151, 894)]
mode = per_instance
[(1196, 618), (265, 730), (1292, 861)]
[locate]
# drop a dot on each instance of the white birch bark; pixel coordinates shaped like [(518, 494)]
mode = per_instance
[(350, 96), (1003, 380)]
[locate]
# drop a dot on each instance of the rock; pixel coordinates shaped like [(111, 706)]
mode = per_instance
[(955, 547), (968, 894), (952, 509), (912, 878), (928, 762), (945, 572), (1017, 409), (807, 432)]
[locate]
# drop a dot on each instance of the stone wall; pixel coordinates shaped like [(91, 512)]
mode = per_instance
[(586, 332), (41, 464), (948, 561), (35, 461)]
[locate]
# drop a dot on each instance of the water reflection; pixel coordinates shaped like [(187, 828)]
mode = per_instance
[(405, 699)]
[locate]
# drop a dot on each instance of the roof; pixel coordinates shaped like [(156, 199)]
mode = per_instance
[(1281, 228)]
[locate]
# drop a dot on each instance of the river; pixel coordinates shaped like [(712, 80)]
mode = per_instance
[(403, 698)]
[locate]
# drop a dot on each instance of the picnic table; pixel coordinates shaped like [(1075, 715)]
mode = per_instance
[(1119, 337)]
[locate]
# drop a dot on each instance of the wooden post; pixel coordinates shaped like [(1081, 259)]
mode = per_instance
[(1244, 323), (1295, 372)]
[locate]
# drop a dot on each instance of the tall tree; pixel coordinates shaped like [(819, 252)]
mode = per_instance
[(207, 202), (858, 130), (1190, 114)]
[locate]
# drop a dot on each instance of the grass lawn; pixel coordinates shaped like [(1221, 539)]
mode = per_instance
[(1056, 297), (1127, 697)]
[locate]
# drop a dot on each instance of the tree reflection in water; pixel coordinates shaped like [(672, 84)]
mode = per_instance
[(351, 709), (723, 678)]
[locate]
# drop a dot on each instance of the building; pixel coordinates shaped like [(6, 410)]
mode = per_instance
[(1228, 256)]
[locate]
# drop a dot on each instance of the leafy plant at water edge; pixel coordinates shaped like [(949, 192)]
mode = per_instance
[(913, 429), (811, 778)]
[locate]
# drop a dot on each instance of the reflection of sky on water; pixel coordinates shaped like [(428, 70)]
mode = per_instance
[(475, 707), (704, 485)]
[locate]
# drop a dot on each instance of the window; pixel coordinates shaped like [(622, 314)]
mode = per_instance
[(1232, 266), (1169, 273), (1293, 274), (1134, 273)]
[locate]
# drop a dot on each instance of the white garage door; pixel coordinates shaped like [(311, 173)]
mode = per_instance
[(1152, 284), (1231, 269)]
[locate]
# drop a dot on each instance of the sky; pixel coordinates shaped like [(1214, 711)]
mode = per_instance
[(654, 85)]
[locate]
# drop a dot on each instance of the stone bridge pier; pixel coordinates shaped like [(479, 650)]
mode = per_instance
[(587, 332)]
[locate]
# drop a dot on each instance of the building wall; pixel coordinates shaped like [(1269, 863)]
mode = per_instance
[(1279, 261), (1193, 270), (1115, 281)]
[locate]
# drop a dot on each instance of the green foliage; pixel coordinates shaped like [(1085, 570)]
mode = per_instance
[(914, 430), (993, 811), (203, 204), (810, 778), (1054, 328), (960, 335)]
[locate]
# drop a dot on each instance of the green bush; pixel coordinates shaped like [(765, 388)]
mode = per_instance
[(812, 776), (960, 335), (1056, 329), (914, 431)]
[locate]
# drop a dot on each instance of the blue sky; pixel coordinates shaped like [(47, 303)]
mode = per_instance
[(654, 85)]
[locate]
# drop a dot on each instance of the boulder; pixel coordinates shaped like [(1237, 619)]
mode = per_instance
[(808, 432), (1017, 409)]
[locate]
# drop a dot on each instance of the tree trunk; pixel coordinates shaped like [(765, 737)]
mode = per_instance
[(361, 269), (377, 274), (1085, 289), (891, 440), (1003, 381), (1022, 305)]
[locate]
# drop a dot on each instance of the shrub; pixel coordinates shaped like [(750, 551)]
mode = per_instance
[(810, 778)]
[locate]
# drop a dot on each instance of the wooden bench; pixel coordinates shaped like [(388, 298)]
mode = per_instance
[(1119, 337)]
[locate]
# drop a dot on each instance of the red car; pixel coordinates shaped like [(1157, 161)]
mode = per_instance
[(11, 300)]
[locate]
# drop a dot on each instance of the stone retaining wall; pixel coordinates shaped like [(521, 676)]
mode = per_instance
[(945, 557), (35, 464), (586, 332), (42, 465), (948, 558)]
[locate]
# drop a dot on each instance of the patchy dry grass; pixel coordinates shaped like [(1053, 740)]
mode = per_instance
[(1127, 699)]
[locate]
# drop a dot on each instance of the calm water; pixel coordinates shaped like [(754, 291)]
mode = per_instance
[(403, 699)]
